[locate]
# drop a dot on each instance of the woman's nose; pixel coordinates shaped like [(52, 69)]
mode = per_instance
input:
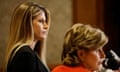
[(46, 25), (102, 54)]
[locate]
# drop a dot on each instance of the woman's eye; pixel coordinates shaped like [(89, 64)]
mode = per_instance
[(41, 21), (98, 50)]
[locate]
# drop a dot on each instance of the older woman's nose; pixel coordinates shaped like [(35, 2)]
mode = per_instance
[(102, 54)]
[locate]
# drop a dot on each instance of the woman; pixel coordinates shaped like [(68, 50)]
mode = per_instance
[(28, 32), (82, 49)]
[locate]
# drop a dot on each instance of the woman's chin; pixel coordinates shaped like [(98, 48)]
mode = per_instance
[(97, 68), (43, 37)]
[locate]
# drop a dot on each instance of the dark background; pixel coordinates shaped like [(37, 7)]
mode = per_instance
[(104, 14)]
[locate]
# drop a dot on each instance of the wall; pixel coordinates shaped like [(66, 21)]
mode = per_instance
[(61, 13), (89, 12)]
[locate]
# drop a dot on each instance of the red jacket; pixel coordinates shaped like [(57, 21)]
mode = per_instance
[(63, 68)]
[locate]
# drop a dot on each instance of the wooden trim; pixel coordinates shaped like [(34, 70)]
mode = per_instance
[(1, 69)]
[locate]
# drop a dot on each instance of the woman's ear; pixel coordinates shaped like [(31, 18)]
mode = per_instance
[(81, 54)]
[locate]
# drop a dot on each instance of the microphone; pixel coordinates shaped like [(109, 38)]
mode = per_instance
[(112, 61)]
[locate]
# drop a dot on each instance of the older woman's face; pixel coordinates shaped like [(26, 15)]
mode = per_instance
[(93, 59), (40, 26)]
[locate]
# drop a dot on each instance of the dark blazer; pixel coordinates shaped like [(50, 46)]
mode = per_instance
[(26, 60)]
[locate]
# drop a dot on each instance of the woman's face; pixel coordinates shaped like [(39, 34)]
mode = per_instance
[(93, 59), (40, 26)]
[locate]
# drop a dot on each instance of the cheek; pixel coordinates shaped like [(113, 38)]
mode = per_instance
[(92, 59), (95, 57), (37, 30)]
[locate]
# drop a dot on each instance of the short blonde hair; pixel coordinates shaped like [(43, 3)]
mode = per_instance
[(81, 36)]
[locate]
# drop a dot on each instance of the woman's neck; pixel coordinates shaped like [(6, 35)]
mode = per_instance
[(32, 44)]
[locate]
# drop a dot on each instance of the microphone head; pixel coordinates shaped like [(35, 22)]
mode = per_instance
[(112, 61)]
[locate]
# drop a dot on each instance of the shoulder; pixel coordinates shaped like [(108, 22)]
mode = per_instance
[(25, 49), (64, 68), (24, 57), (60, 68), (24, 52), (23, 60)]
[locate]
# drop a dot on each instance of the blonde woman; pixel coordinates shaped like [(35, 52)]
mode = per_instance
[(26, 43), (82, 49)]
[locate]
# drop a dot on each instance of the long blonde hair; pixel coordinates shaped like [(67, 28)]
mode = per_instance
[(81, 36), (21, 29)]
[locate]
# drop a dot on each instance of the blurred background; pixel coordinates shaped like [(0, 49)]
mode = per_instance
[(104, 14)]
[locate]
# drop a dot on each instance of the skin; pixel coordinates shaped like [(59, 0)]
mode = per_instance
[(40, 26), (91, 59)]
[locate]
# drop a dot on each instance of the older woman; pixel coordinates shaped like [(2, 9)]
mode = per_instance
[(82, 49)]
